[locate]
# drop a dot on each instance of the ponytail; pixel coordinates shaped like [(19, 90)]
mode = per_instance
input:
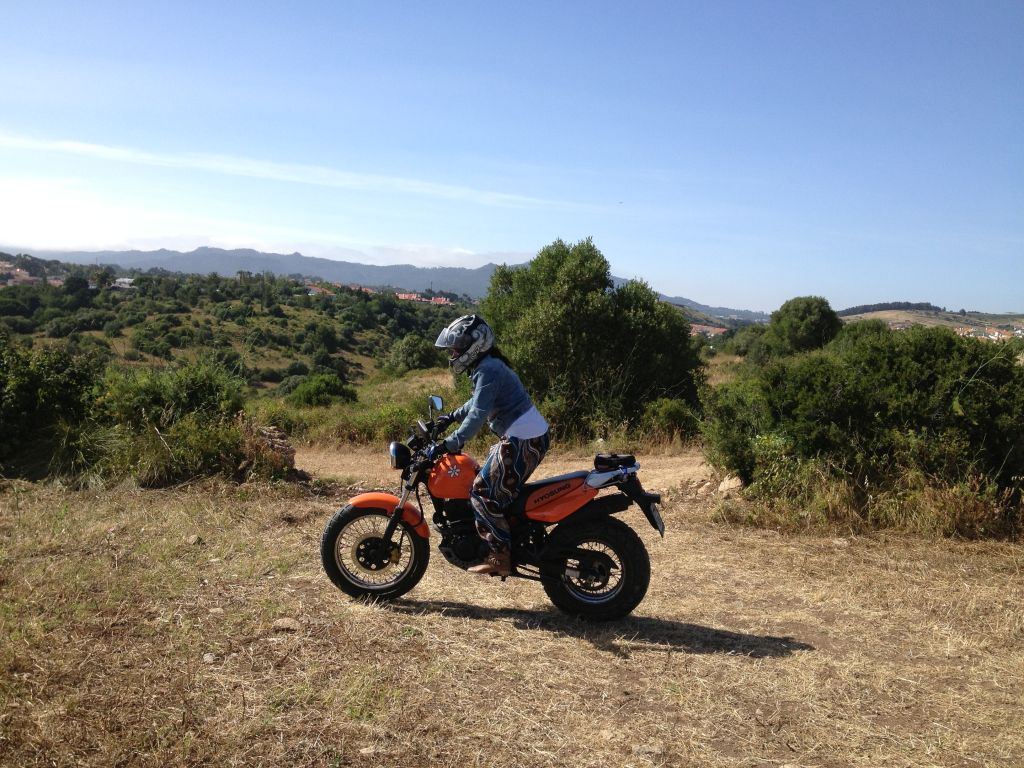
[(495, 352)]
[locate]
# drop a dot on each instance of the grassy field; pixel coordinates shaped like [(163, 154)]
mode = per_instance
[(193, 626), (936, 318)]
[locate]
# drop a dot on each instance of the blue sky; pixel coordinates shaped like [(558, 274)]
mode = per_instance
[(736, 153)]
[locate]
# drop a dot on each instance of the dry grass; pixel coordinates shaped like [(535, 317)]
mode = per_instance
[(125, 642), (722, 368)]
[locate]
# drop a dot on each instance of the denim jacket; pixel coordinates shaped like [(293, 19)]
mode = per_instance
[(499, 398)]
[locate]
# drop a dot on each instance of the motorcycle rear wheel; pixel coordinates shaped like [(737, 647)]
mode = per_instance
[(354, 558), (598, 569)]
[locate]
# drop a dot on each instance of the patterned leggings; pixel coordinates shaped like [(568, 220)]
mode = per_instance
[(509, 465)]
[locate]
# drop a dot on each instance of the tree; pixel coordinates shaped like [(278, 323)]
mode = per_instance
[(800, 325), (590, 354), (76, 291), (413, 352)]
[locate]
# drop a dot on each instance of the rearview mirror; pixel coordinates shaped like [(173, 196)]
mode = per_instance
[(436, 403)]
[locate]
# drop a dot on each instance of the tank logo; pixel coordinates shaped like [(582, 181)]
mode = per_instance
[(550, 494), (453, 470)]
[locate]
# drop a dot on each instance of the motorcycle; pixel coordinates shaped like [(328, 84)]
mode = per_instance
[(564, 535)]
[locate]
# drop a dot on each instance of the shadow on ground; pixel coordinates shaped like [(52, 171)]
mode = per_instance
[(618, 637)]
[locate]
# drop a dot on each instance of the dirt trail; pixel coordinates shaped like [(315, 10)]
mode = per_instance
[(368, 466)]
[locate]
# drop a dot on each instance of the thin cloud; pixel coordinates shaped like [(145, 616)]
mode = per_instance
[(272, 171)]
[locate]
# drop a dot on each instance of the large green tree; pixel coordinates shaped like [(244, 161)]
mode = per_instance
[(799, 325), (591, 354)]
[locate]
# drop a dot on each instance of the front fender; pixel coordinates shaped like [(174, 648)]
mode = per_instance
[(388, 502)]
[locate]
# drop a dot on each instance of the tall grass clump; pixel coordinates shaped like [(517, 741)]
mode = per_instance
[(377, 410), (919, 430)]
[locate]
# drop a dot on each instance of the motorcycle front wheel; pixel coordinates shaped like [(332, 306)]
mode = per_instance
[(597, 569), (356, 559)]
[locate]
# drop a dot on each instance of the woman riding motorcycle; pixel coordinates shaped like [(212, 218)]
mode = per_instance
[(500, 400)]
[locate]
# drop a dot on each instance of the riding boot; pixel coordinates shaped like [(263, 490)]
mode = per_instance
[(497, 562)]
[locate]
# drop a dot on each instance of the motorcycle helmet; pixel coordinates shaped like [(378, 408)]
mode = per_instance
[(467, 339)]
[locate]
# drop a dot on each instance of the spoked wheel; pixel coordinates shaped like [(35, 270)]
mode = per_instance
[(597, 569), (360, 564)]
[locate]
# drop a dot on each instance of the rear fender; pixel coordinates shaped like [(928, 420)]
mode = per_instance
[(388, 502), (633, 493), (648, 502)]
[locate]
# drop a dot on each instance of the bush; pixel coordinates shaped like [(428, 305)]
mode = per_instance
[(22, 325), (159, 397), (40, 390), (320, 389), (744, 340), (289, 385), (389, 421), (910, 416), (189, 448), (670, 419), (168, 425), (275, 413), (413, 352)]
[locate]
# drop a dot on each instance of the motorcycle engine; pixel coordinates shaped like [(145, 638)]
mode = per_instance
[(460, 544)]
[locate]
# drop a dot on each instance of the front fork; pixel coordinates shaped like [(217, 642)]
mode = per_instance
[(396, 514)]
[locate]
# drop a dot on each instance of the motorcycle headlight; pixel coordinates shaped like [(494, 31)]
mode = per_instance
[(399, 454)]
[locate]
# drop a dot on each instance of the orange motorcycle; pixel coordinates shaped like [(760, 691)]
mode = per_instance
[(564, 534)]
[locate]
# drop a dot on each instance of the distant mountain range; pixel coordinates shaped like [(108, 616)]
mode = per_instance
[(458, 280)]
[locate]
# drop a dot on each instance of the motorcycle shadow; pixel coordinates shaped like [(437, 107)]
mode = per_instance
[(618, 637)]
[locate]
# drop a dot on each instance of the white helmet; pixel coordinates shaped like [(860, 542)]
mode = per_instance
[(467, 340)]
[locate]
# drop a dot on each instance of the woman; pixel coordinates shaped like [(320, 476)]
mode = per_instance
[(500, 400)]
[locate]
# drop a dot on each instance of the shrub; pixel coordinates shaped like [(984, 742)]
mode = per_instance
[(412, 352), (669, 419), (189, 448), (167, 425), (742, 342), (275, 413), (288, 385), (320, 389), (21, 325), (159, 397), (918, 415), (40, 389)]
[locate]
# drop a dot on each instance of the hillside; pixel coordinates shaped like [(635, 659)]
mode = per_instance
[(978, 321), (265, 328), (457, 280)]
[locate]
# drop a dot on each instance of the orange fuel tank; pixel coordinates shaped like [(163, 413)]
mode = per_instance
[(453, 476)]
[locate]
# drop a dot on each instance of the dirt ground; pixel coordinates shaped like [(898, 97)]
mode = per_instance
[(195, 627), (369, 466)]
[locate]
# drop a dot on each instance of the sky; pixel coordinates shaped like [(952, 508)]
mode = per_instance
[(734, 153)]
